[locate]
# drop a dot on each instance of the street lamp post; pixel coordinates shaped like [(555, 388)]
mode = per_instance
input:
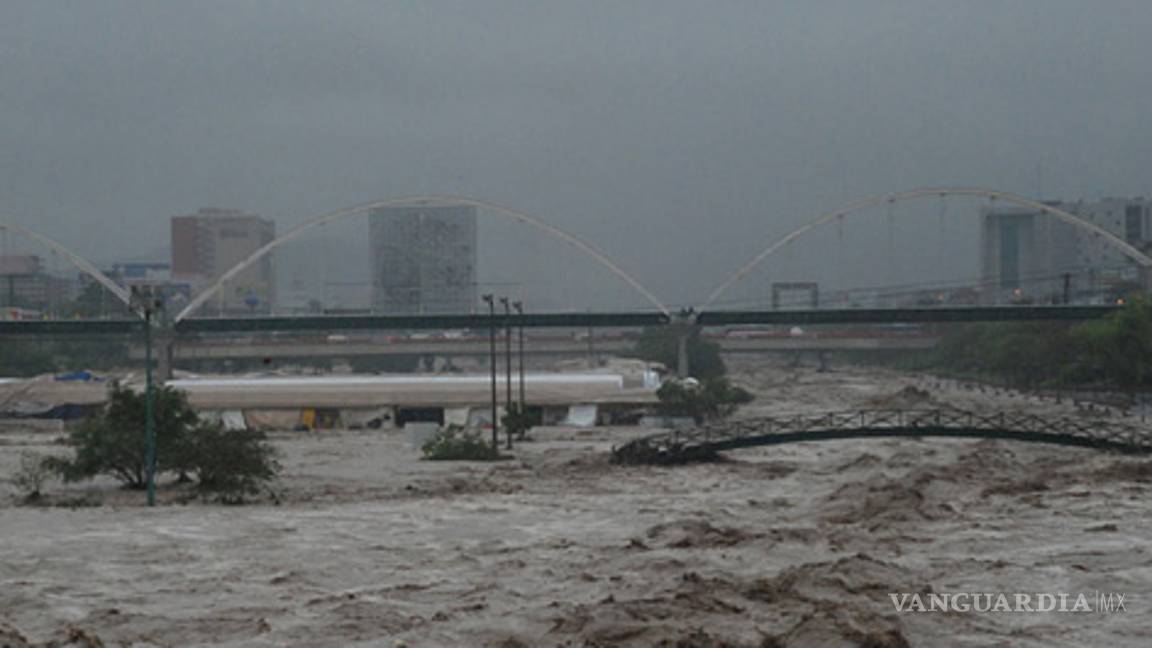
[(520, 321), (149, 410), (509, 406), (492, 361), (591, 346), (146, 304)]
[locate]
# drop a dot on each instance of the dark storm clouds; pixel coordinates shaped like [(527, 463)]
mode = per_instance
[(678, 136)]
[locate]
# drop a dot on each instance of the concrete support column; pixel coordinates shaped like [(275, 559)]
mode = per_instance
[(164, 341), (682, 368), (684, 327)]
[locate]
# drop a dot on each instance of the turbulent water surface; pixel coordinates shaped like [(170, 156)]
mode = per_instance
[(795, 545)]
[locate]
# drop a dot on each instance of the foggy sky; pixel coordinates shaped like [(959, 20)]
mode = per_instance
[(679, 136)]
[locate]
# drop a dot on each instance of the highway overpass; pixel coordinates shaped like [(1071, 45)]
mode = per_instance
[(329, 323), (202, 339), (348, 346)]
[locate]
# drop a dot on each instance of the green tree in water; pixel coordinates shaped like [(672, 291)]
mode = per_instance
[(227, 463), (113, 442), (1119, 348), (701, 400), (662, 344)]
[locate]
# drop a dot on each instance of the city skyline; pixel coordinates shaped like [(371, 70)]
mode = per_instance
[(662, 131), (1058, 260)]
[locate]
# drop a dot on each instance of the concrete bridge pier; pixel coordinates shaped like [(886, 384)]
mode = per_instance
[(795, 359), (684, 326), (822, 362), (682, 355), (163, 346)]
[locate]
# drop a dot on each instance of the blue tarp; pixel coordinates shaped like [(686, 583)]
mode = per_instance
[(85, 376)]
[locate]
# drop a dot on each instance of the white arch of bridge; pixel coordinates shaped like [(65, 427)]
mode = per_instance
[(76, 260), (943, 192), (487, 207)]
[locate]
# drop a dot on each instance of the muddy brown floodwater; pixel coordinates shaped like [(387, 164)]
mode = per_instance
[(796, 545)]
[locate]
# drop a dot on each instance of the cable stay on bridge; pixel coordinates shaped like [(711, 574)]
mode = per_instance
[(703, 442), (943, 243), (863, 205), (910, 289), (894, 275)]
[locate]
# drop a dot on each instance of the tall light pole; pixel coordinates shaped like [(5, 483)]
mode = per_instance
[(146, 304), (520, 320), (509, 406), (492, 361), (591, 345)]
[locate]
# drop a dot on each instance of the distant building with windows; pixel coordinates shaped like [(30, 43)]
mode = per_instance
[(1029, 255), (155, 274), (26, 283), (128, 273), (423, 259), (208, 243)]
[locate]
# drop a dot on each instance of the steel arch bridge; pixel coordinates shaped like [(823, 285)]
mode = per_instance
[(588, 249), (857, 206), (583, 246), (604, 260), (703, 442)]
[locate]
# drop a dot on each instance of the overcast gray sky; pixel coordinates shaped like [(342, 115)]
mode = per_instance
[(670, 133)]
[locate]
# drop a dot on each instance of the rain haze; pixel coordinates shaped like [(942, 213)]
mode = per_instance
[(679, 137), (582, 323)]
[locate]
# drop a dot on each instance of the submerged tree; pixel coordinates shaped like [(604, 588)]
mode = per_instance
[(230, 464), (1119, 347), (113, 441), (1115, 350), (701, 400), (662, 344)]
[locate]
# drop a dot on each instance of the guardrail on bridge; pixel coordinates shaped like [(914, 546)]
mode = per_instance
[(704, 441)]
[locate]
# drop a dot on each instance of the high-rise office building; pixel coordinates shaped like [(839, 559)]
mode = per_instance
[(1026, 253), (208, 243), (423, 259)]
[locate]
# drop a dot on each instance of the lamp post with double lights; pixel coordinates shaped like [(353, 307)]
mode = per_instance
[(145, 302), (488, 299), (509, 406), (519, 306)]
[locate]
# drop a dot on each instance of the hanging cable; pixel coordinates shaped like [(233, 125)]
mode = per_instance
[(943, 226), (893, 271), (843, 290)]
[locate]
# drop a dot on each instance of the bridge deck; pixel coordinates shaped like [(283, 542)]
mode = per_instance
[(626, 319)]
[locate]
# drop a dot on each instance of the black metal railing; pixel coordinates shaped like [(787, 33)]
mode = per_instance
[(704, 441)]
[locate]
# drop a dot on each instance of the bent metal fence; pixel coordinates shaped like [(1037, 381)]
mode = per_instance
[(704, 441)]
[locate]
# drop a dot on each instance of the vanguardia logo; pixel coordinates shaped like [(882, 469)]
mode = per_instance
[(1079, 602)]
